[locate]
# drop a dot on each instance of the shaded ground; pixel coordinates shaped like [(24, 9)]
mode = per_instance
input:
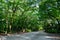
[(31, 36)]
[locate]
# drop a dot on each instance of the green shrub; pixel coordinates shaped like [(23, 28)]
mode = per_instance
[(52, 28)]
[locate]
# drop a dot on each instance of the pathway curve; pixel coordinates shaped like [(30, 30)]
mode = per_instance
[(31, 36)]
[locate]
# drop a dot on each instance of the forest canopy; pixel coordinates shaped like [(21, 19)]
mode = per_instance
[(29, 15)]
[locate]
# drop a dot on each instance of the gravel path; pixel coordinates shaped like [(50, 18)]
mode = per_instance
[(31, 36)]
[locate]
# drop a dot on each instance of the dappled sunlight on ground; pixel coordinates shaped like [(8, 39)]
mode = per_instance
[(40, 35)]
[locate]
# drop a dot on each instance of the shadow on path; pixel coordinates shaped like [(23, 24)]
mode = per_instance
[(40, 35)]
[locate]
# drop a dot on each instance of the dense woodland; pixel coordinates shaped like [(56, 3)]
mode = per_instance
[(29, 15)]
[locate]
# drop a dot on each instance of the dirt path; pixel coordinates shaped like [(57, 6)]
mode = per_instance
[(31, 36)]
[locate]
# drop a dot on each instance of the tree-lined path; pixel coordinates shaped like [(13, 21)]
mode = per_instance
[(29, 16)]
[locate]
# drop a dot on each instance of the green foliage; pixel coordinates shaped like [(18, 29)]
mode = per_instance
[(18, 15), (49, 10), (52, 27), (26, 16)]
